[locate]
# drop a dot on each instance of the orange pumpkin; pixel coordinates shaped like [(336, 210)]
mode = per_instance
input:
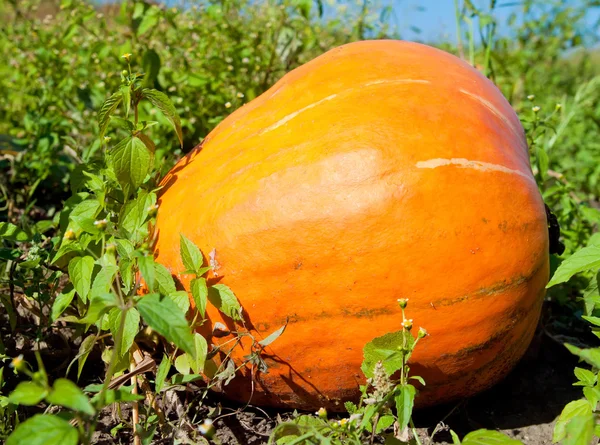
[(380, 170)]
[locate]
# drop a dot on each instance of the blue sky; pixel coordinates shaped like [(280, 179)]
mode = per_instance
[(436, 18)]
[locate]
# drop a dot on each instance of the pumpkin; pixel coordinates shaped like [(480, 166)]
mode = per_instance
[(377, 171)]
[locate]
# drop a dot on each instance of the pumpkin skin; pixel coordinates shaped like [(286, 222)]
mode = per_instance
[(379, 170)]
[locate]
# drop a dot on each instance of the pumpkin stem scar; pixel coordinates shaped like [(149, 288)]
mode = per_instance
[(475, 165)]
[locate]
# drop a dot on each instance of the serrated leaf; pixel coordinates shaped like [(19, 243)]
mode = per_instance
[(223, 299), (84, 214), (108, 107), (27, 393), (80, 274), (62, 301), (44, 429), (200, 294), (181, 299), (164, 104), (585, 376), (273, 336), (66, 393), (166, 318), (131, 162), (164, 279), (146, 265), (571, 410), (161, 373), (591, 355), (131, 327), (103, 280), (135, 212), (99, 305), (587, 258), (201, 348), (13, 233), (386, 350), (404, 404), (190, 254), (489, 437)]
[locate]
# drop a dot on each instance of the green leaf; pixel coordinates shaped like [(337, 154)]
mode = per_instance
[(455, 439), (103, 280), (181, 299), (201, 348), (190, 254), (384, 423), (131, 162), (11, 232), (489, 437), (108, 107), (223, 299), (273, 336), (99, 305), (164, 104), (66, 393), (126, 94), (166, 318), (592, 394), (182, 364), (571, 410), (27, 393), (146, 265), (404, 405), (62, 301), (121, 123), (585, 376), (591, 355), (585, 259), (580, 430), (131, 327), (161, 373), (44, 429), (84, 215), (80, 274), (200, 294), (134, 214), (84, 351), (386, 350), (164, 279)]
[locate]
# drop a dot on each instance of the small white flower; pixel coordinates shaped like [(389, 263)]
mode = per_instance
[(531, 97), (240, 95), (535, 109), (227, 104)]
